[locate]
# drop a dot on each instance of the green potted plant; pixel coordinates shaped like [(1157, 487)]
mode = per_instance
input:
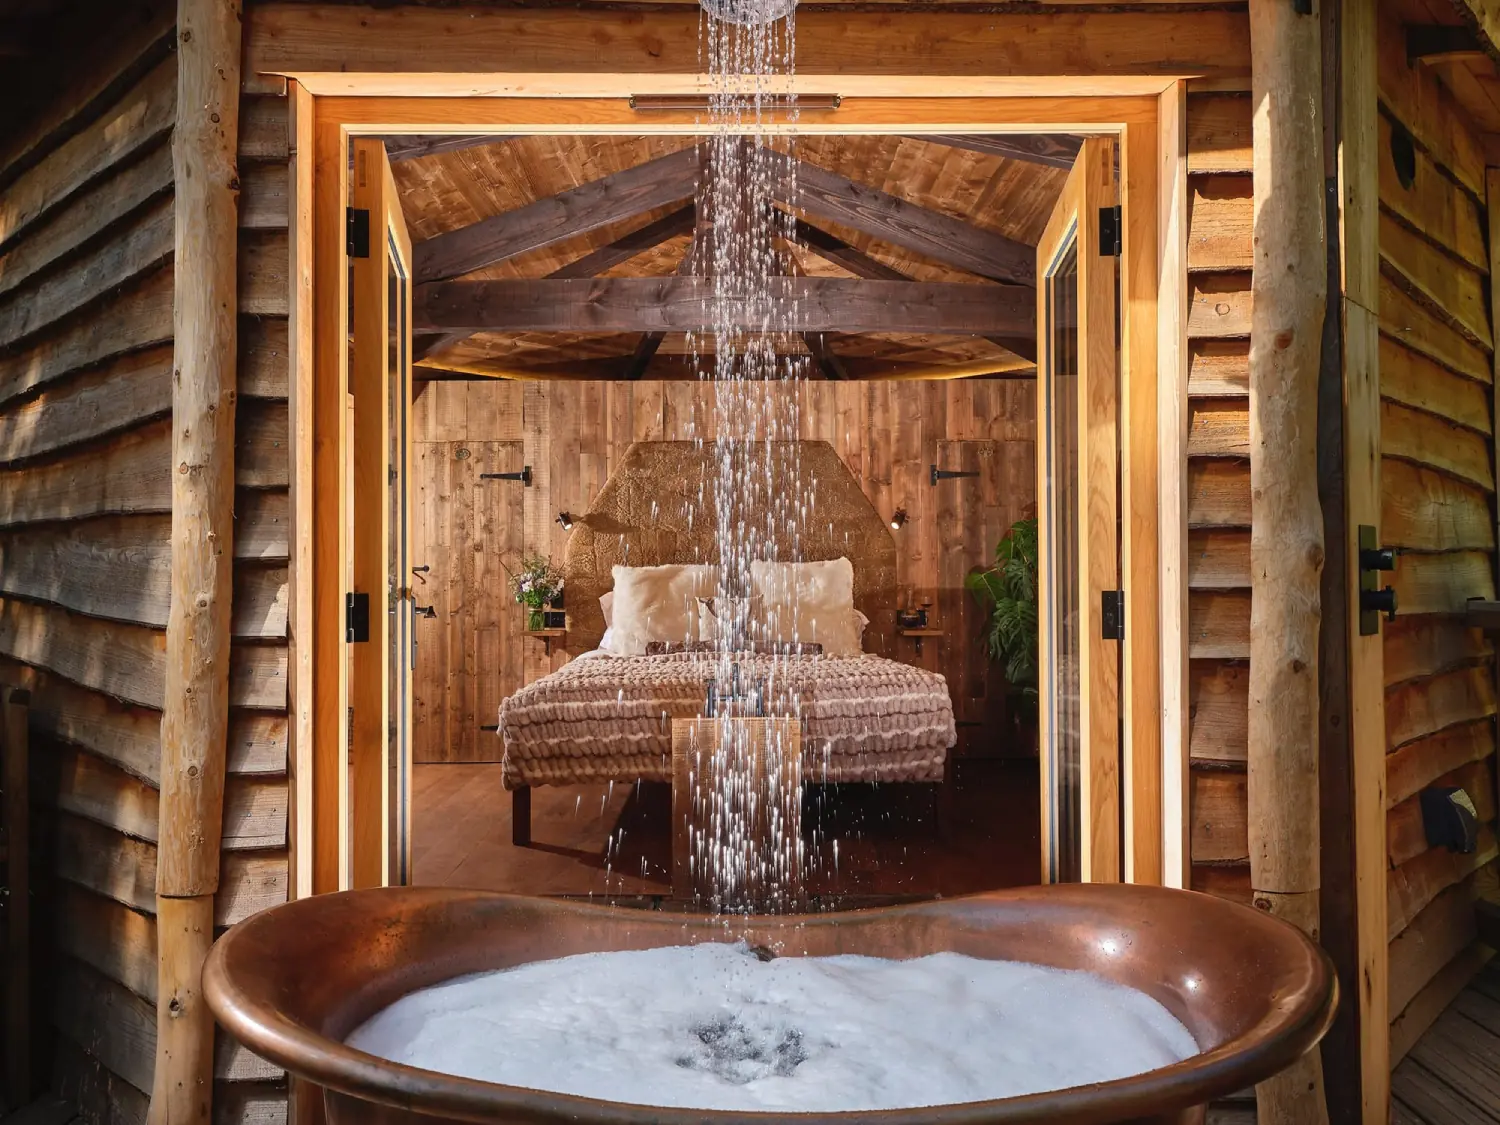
[(537, 585), (1008, 592)]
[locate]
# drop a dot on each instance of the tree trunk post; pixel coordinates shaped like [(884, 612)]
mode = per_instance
[(194, 729), (1289, 291)]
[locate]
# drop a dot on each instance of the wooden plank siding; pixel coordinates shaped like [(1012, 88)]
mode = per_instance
[(86, 305), (1438, 511), (1218, 454), (573, 434)]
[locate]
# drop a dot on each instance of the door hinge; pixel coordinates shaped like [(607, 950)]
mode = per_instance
[(356, 618), (1111, 231), (1112, 614), (357, 232)]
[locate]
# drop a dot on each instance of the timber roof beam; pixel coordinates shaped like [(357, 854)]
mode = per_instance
[(681, 304)]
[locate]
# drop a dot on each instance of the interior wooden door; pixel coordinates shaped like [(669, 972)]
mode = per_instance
[(1077, 490), (380, 629)]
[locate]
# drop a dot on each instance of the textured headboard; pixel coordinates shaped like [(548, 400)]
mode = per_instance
[(658, 507)]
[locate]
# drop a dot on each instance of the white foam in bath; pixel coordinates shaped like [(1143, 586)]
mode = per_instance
[(713, 1027)]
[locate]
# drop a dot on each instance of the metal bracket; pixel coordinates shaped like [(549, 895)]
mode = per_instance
[(356, 618), (950, 474), (1112, 615), (524, 476), (357, 232), (1111, 231), (1373, 599)]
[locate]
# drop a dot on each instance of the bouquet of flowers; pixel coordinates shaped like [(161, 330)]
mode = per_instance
[(537, 585)]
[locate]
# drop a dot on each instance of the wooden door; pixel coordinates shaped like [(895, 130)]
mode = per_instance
[(470, 651), (380, 635), (1077, 488)]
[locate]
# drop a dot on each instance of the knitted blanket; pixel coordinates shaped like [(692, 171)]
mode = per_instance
[(601, 718)]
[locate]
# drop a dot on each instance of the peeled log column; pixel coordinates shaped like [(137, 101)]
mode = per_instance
[(194, 728), (1289, 290)]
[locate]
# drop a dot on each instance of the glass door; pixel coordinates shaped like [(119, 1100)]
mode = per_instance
[(1077, 440), (381, 641)]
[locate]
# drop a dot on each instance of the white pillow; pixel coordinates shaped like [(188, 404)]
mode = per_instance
[(809, 602), (730, 618), (657, 603), (607, 607)]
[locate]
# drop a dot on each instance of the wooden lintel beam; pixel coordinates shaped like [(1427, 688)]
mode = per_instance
[(834, 198), (589, 207), (682, 304), (682, 368), (400, 148), (1049, 149)]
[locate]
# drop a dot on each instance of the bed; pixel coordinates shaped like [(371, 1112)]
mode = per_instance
[(608, 717)]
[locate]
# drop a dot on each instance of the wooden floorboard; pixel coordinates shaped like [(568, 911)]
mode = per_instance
[(1452, 1075)]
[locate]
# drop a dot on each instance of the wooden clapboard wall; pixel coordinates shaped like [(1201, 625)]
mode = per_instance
[(1438, 491), (1218, 450), (86, 241), (572, 434)]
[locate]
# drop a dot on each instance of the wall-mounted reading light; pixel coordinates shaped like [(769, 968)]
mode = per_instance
[(566, 520), (898, 519)]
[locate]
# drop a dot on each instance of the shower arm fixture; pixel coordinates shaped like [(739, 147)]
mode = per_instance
[(950, 474), (700, 103)]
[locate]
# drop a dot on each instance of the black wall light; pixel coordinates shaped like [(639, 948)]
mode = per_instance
[(566, 520), (898, 519)]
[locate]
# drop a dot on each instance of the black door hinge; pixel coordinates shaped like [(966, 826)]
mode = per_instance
[(1112, 614), (357, 232), (356, 618), (1111, 231)]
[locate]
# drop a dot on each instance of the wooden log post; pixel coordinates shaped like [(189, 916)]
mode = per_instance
[(194, 728), (1289, 292)]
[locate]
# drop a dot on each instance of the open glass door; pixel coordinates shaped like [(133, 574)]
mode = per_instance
[(1077, 383), (381, 626)]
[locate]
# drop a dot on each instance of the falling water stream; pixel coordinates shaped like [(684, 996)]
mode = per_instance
[(745, 823)]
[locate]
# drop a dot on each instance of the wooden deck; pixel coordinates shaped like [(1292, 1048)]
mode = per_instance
[(1452, 1075)]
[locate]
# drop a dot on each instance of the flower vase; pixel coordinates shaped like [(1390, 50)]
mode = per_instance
[(535, 620)]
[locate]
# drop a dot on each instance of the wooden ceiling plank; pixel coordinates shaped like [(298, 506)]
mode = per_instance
[(600, 203), (1049, 149), (680, 304), (829, 196), (416, 146)]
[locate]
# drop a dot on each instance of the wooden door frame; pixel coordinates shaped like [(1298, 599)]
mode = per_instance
[(1073, 227), (327, 125)]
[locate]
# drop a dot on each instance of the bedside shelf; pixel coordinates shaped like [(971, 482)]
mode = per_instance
[(547, 636), (919, 635)]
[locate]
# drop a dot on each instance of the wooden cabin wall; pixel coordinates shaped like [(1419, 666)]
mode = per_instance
[(1438, 508), (572, 434), (86, 304), (1218, 506)]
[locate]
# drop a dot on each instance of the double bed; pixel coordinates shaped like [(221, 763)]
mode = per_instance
[(607, 714)]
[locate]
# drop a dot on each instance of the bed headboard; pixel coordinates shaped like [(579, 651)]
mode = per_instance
[(644, 516)]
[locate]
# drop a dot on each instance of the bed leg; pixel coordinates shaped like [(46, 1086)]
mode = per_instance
[(520, 817)]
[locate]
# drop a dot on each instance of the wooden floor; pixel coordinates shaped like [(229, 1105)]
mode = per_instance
[(615, 840), (1452, 1075)]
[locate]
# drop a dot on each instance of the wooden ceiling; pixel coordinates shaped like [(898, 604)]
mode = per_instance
[(906, 216), (1440, 37)]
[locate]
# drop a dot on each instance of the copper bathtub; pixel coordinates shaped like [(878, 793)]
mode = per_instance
[(292, 982)]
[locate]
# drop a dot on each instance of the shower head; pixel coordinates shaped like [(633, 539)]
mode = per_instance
[(749, 13)]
